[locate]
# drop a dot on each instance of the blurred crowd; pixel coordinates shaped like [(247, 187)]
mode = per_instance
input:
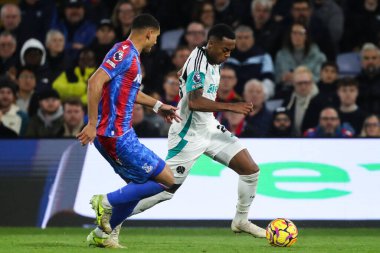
[(311, 68)]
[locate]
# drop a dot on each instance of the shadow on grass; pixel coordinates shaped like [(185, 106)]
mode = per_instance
[(50, 245)]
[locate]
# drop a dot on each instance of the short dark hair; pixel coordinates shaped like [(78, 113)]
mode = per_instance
[(25, 68), (143, 21), (330, 64), (73, 101), (301, 1), (220, 31), (347, 82)]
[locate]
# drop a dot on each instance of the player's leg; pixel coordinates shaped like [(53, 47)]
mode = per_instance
[(133, 161), (248, 172), (227, 149)]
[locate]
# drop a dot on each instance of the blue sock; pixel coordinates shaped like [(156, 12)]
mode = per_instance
[(125, 199), (121, 212)]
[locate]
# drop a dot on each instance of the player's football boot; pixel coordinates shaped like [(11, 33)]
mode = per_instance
[(248, 227), (104, 241), (103, 214)]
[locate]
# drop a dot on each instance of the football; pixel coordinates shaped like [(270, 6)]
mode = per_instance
[(281, 232)]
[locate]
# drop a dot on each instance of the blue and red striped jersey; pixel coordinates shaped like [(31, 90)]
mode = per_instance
[(122, 64)]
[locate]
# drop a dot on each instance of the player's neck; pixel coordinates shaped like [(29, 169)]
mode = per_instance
[(137, 42)]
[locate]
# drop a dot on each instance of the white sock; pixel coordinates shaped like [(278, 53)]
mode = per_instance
[(105, 202), (147, 203), (100, 233), (246, 191)]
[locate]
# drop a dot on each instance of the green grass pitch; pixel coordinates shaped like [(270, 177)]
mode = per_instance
[(186, 240)]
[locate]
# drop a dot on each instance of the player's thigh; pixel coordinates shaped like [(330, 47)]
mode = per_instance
[(229, 151)]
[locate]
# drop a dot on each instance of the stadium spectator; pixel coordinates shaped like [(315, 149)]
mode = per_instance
[(72, 83), (78, 31), (122, 17), (350, 113), (369, 79), (10, 17), (171, 88), (281, 10), (195, 35), (362, 24), (48, 121), (259, 120), (154, 119), (251, 62), (142, 127), (8, 45), (371, 126), (11, 115), (297, 50), (228, 81), (104, 40), (140, 6), (33, 55), (303, 108), (236, 124), (332, 17), (26, 80), (204, 13), (327, 84), (302, 12), (329, 126), (56, 57), (73, 115), (36, 19), (228, 12), (268, 32), (179, 57), (281, 124)]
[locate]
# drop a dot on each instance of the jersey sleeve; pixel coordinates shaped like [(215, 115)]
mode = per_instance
[(196, 69), (117, 60)]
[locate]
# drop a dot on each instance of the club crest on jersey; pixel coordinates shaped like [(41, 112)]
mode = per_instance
[(118, 56), (197, 77)]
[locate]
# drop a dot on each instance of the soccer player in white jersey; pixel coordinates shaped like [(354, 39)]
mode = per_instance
[(200, 133)]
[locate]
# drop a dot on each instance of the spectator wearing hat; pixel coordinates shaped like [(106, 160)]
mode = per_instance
[(78, 31), (26, 80), (105, 38), (281, 124), (33, 56), (49, 118), (329, 126), (56, 57), (73, 115), (72, 83), (11, 115)]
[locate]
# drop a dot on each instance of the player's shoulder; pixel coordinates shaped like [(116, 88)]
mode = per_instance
[(197, 58)]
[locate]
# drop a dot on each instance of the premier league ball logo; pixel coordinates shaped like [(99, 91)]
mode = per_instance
[(118, 56), (197, 77)]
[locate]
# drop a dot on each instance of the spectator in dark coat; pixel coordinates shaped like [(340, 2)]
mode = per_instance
[(327, 84), (104, 40), (10, 18), (8, 58), (281, 124), (78, 31), (142, 127)]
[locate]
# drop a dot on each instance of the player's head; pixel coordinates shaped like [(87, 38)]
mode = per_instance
[(148, 27), (220, 43)]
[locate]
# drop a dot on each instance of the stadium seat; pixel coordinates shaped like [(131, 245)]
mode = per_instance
[(349, 64)]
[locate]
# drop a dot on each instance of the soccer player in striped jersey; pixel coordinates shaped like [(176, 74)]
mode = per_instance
[(112, 91), (200, 133)]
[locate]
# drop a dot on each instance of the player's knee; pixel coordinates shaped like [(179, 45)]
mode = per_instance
[(249, 169)]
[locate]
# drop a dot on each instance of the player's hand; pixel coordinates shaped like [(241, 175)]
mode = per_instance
[(169, 113), (242, 107), (87, 135)]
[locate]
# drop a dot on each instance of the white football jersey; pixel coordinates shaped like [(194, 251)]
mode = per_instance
[(197, 73)]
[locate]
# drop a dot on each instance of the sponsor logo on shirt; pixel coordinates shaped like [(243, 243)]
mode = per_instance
[(138, 78), (147, 168), (111, 63)]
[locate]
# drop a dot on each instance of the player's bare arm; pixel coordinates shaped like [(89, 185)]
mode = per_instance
[(168, 112), (94, 92), (199, 103)]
